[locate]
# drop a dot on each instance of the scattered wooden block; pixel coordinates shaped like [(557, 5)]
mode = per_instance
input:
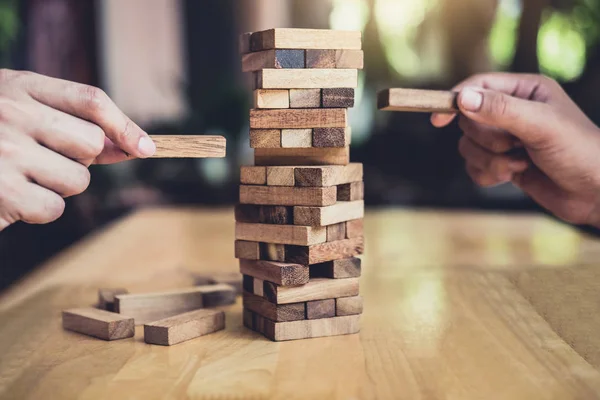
[(355, 229), (351, 191), (271, 98), (323, 216), (250, 175), (320, 309), (305, 98), (336, 232), (279, 215), (337, 269), (315, 289), (106, 298), (330, 175), (296, 138), (320, 58), (283, 274), (244, 42), (274, 312), (298, 118), (323, 252), (306, 329), (349, 59), (277, 59), (287, 196), (183, 327), (277, 176), (101, 324), (331, 137), (282, 234), (293, 38), (247, 250), (348, 306), (338, 98), (265, 138), (189, 146), (272, 252), (306, 78), (417, 100), (306, 156)]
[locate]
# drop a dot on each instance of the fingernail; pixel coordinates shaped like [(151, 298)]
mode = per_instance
[(471, 100), (146, 146)]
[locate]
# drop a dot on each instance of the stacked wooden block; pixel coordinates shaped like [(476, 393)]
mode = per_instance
[(299, 224)]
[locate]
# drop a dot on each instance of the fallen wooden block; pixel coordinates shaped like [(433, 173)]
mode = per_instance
[(348, 306), (250, 175), (328, 251), (278, 59), (271, 98), (305, 98), (306, 329), (106, 298), (299, 118), (293, 38), (189, 146), (330, 175), (320, 309), (315, 289), (183, 327), (306, 78), (98, 323), (351, 191), (265, 138), (274, 312), (280, 195), (337, 269), (282, 234), (307, 156), (283, 274), (338, 98), (417, 100), (341, 211), (355, 229)]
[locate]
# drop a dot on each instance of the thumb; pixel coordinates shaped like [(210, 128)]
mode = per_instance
[(528, 120)]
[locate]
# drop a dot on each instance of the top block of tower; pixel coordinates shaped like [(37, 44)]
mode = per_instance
[(291, 38)]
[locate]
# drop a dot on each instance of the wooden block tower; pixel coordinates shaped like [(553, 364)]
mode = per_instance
[(299, 224)]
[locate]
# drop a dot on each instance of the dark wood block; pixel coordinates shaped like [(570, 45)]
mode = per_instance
[(337, 269), (320, 58), (274, 312), (255, 214), (351, 191), (320, 309), (248, 283), (330, 137), (337, 98)]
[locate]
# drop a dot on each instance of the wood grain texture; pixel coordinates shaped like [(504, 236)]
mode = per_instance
[(416, 100), (296, 138), (250, 175), (355, 228), (280, 176), (100, 324), (305, 98), (284, 274), (328, 175), (349, 59), (331, 137), (265, 138), (278, 59), (298, 118), (189, 146), (337, 269), (183, 327), (274, 312), (282, 234), (306, 78), (320, 58), (281, 215), (315, 289), (276, 195), (348, 306), (258, 287), (338, 98), (336, 232), (265, 98), (308, 329), (351, 191), (295, 38), (323, 252), (106, 298), (272, 252), (247, 250), (320, 309), (322, 216), (308, 156)]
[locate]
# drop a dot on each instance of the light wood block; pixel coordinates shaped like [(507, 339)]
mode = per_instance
[(328, 175), (250, 175), (336, 232), (355, 229), (272, 252), (416, 100), (280, 215), (244, 42), (296, 138), (288, 196), (315, 289), (284, 274), (307, 156), (299, 118), (184, 327), (274, 312), (320, 309), (294, 38), (265, 138), (189, 146), (247, 250), (307, 329), (305, 98), (337, 269), (306, 78), (331, 137), (282, 234), (348, 306), (280, 176), (257, 286), (106, 298), (323, 252), (322, 216), (351, 191), (101, 324), (271, 98), (349, 59), (338, 98), (279, 59), (320, 58)]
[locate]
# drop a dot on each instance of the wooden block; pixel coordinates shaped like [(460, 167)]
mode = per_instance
[(328, 175), (148, 307), (257, 287), (348, 306), (351, 191), (307, 329), (336, 232), (306, 78), (349, 59), (320, 58), (282, 234), (278, 59), (337, 269), (106, 298), (248, 284), (233, 279), (265, 138), (299, 118), (293, 38), (331, 137), (305, 98), (284, 274), (278, 176), (254, 214), (272, 252), (320, 309), (323, 252), (315, 289), (183, 327), (296, 138), (248, 318), (244, 42), (271, 98), (307, 156), (250, 175), (354, 229), (417, 100), (338, 98), (247, 250), (288, 196), (322, 216), (274, 312), (189, 146), (98, 323)]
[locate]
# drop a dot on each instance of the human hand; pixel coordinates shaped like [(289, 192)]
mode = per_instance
[(503, 112), (51, 130)]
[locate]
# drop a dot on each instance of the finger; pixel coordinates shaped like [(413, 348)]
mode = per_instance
[(481, 177), (111, 154), (492, 139), (441, 120), (25, 201), (94, 105), (501, 167)]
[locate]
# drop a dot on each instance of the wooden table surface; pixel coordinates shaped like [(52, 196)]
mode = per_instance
[(457, 306)]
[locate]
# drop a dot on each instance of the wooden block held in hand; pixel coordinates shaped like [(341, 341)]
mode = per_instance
[(274, 312), (307, 329), (277, 59), (415, 100), (183, 327), (337, 269), (250, 175), (294, 38), (106, 298), (320, 58), (282, 234), (322, 216), (331, 175), (305, 98), (283, 274), (296, 138), (265, 138), (306, 78), (299, 118), (315, 289), (98, 323), (247, 250), (351, 191), (349, 59), (331, 137), (288, 196), (271, 98), (323, 252), (306, 156), (336, 232), (338, 98), (320, 309), (189, 146), (348, 306)]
